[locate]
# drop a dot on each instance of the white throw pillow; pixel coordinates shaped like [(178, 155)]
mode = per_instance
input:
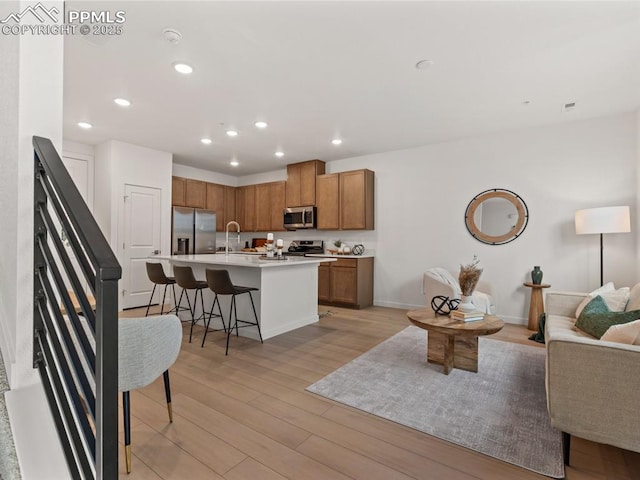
[(607, 287), (628, 333), (634, 299)]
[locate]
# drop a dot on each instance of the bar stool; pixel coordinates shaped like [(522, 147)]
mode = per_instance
[(220, 283), (186, 280), (156, 275)]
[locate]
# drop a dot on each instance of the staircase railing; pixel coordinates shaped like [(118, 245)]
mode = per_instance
[(75, 347)]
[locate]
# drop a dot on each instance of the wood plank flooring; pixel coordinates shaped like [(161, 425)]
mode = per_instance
[(248, 417)]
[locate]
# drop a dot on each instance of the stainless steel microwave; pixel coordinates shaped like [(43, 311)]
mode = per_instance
[(299, 217)]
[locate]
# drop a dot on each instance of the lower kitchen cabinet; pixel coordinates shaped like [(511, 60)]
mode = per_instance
[(347, 282)]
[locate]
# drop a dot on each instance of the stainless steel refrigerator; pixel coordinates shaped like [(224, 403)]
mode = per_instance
[(193, 231)]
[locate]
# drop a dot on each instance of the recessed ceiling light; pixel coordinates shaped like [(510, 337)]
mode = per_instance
[(234, 163), (279, 154), (261, 124), (183, 68), (85, 125), (336, 141), (206, 141), (123, 102), (232, 133), (424, 64)]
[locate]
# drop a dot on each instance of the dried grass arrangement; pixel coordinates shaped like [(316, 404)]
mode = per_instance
[(469, 276)]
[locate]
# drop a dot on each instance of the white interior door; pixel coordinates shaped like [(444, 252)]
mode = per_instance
[(141, 239), (80, 168)]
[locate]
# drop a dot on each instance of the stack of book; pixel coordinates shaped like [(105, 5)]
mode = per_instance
[(467, 316)]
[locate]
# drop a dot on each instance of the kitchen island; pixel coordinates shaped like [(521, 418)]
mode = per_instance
[(288, 289)]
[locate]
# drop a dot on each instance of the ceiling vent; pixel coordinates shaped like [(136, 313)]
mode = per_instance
[(567, 107)]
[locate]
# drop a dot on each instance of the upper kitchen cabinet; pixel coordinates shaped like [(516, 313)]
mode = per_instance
[(301, 182), (229, 206), (278, 196), (178, 187), (356, 200), (345, 200), (222, 200), (186, 192), (196, 194), (246, 208), (270, 198), (328, 201)]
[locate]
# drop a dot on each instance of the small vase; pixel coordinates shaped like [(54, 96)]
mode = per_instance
[(466, 304), (536, 275)]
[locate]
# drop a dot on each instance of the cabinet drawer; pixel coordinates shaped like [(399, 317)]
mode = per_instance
[(345, 262), (326, 264)]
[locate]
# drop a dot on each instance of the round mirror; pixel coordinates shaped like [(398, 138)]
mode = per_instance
[(496, 216)]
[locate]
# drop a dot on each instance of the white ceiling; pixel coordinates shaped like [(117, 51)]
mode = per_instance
[(315, 70)]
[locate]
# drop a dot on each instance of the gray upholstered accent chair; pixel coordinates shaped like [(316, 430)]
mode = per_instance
[(147, 347)]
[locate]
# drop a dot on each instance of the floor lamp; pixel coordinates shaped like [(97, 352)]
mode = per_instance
[(603, 220)]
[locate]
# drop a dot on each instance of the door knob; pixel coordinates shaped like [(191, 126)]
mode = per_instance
[(156, 252)]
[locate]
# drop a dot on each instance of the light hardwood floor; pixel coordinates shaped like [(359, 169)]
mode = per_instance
[(248, 416)]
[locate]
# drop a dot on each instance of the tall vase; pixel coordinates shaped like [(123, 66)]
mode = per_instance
[(466, 304), (536, 275)]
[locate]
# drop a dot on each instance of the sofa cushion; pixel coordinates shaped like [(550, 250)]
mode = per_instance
[(628, 333), (634, 299), (596, 317), (607, 287)]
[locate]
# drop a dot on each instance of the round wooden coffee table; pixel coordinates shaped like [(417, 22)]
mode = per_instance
[(452, 343)]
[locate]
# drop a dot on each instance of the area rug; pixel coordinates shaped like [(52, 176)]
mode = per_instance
[(499, 411)]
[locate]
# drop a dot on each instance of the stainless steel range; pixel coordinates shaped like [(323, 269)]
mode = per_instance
[(302, 247)]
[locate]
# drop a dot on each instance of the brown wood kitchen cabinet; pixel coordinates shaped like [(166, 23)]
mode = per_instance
[(345, 200), (278, 200), (246, 208), (270, 198), (178, 188), (301, 182), (186, 192), (347, 282), (222, 200)]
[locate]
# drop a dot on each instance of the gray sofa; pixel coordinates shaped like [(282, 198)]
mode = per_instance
[(593, 386)]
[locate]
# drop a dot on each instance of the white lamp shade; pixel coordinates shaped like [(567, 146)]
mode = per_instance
[(603, 220)]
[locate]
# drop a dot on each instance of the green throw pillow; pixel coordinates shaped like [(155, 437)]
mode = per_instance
[(596, 318)]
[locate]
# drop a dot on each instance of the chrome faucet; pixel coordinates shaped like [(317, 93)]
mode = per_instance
[(226, 248)]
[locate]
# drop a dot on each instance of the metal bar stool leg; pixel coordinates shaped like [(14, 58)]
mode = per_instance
[(255, 315), (150, 299), (192, 313), (211, 314), (163, 297), (226, 352)]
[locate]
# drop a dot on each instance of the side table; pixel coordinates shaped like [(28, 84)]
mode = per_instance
[(536, 307)]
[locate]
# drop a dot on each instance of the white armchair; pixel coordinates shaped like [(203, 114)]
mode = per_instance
[(439, 281)]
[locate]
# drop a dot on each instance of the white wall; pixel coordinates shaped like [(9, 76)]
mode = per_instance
[(204, 175), (422, 193), (118, 164), (31, 105)]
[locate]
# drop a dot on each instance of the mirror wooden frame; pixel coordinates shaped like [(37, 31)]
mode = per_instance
[(511, 235)]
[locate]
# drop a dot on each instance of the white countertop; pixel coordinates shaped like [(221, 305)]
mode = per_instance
[(330, 255), (240, 260)]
